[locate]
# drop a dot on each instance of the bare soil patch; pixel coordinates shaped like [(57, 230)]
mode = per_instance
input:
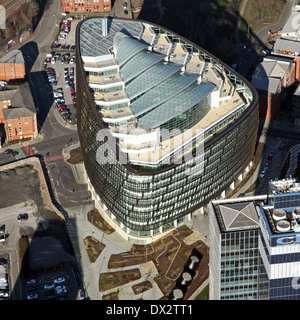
[(141, 287), (97, 220), (169, 254), (75, 156), (112, 280), (93, 248)]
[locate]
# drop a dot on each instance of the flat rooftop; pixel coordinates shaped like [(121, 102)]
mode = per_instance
[(237, 214)]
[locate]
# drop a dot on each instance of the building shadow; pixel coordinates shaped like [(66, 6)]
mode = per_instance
[(39, 86), (43, 259)]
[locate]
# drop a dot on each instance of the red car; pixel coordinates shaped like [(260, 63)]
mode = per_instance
[(72, 90), (61, 107), (74, 100), (269, 158)]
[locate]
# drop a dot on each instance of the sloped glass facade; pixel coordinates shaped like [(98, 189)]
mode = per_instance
[(142, 201)]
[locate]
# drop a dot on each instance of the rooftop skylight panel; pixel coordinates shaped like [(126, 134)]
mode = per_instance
[(92, 41), (127, 48), (175, 106), (150, 78), (139, 63), (161, 93)]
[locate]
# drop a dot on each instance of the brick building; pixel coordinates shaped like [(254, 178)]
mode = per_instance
[(271, 78), (80, 6), (288, 44), (12, 66), (18, 118)]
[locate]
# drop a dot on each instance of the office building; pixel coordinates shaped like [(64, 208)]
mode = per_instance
[(164, 126), (234, 255), (279, 241), (254, 245)]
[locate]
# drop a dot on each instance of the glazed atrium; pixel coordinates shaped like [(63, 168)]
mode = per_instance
[(164, 126)]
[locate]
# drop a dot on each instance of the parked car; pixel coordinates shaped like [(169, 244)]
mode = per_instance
[(64, 111), (269, 158), (19, 217), (59, 280), (82, 294), (14, 153), (57, 95), (62, 107), (50, 71), (32, 296), (2, 228), (263, 173), (8, 151), (49, 286), (54, 83), (25, 216)]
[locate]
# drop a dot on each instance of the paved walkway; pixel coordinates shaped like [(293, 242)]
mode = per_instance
[(79, 228)]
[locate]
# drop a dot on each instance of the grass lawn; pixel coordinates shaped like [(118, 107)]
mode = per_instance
[(204, 294)]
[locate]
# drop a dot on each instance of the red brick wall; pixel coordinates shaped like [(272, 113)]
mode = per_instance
[(17, 129), (12, 71)]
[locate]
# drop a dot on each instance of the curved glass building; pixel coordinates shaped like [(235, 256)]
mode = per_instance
[(164, 126)]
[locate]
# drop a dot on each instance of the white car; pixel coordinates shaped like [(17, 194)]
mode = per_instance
[(31, 281), (59, 280), (48, 286), (58, 288), (32, 296), (263, 173)]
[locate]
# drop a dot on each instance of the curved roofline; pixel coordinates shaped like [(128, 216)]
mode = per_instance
[(122, 158)]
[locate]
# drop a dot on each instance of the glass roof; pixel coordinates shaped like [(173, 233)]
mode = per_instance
[(175, 106), (127, 48), (150, 78), (162, 92), (93, 43), (139, 63)]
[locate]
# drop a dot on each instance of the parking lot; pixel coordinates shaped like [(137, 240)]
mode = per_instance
[(50, 252), (60, 72), (56, 283)]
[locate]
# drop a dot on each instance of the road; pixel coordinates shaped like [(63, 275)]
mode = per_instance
[(247, 52), (54, 135)]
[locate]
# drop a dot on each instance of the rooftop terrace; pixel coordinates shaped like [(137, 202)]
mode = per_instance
[(142, 78)]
